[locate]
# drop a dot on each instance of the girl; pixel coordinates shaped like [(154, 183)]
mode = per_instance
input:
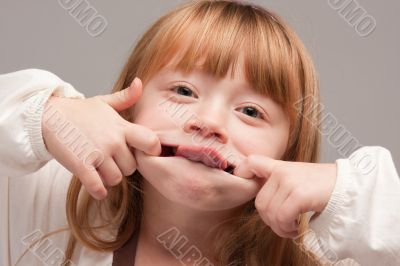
[(208, 159)]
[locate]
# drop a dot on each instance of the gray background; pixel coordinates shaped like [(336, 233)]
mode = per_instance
[(359, 75)]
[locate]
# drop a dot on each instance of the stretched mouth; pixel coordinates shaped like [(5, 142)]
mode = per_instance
[(206, 155)]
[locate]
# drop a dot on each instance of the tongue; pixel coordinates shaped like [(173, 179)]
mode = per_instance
[(206, 155)]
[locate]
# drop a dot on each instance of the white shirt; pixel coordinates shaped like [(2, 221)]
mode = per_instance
[(361, 220)]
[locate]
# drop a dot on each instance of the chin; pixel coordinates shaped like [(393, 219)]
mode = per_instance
[(194, 184)]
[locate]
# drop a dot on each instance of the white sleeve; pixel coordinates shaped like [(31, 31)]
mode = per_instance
[(362, 218), (23, 95)]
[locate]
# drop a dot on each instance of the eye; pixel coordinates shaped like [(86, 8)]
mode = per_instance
[(253, 111), (184, 91)]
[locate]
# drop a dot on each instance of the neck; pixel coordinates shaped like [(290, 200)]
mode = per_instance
[(175, 230)]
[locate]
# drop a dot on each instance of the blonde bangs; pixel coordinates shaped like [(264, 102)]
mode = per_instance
[(213, 39)]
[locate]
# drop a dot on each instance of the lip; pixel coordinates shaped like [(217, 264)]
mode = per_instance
[(216, 171), (168, 149)]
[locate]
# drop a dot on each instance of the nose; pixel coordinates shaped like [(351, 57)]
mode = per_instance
[(207, 127)]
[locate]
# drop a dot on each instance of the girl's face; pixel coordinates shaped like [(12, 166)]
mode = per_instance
[(199, 110)]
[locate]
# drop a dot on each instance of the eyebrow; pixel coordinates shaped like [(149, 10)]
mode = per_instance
[(267, 106), (242, 86)]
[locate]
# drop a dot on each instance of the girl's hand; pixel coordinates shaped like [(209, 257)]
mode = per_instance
[(288, 190), (91, 140)]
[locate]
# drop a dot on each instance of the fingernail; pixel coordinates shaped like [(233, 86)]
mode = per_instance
[(237, 171), (100, 196), (241, 172), (135, 82), (155, 148), (156, 151)]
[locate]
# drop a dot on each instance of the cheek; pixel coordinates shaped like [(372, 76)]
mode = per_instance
[(271, 142), (151, 117), (162, 114)]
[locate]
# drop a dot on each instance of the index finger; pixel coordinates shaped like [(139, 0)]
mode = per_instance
[(92, 182), (143, 138), (255, 166)]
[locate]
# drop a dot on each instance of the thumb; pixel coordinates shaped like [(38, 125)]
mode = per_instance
[(125, 98)]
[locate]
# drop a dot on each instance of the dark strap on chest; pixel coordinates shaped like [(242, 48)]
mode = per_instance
[(125, 256)]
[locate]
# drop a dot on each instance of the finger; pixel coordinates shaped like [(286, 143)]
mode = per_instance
[(109, 172), (125, 160), (243, 170), (289, 227), (290, 211), (263, 199), (125, 98), (258, 165), (143, 138), (283, 234), (290, 235), (92, 182), (275, 208)]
